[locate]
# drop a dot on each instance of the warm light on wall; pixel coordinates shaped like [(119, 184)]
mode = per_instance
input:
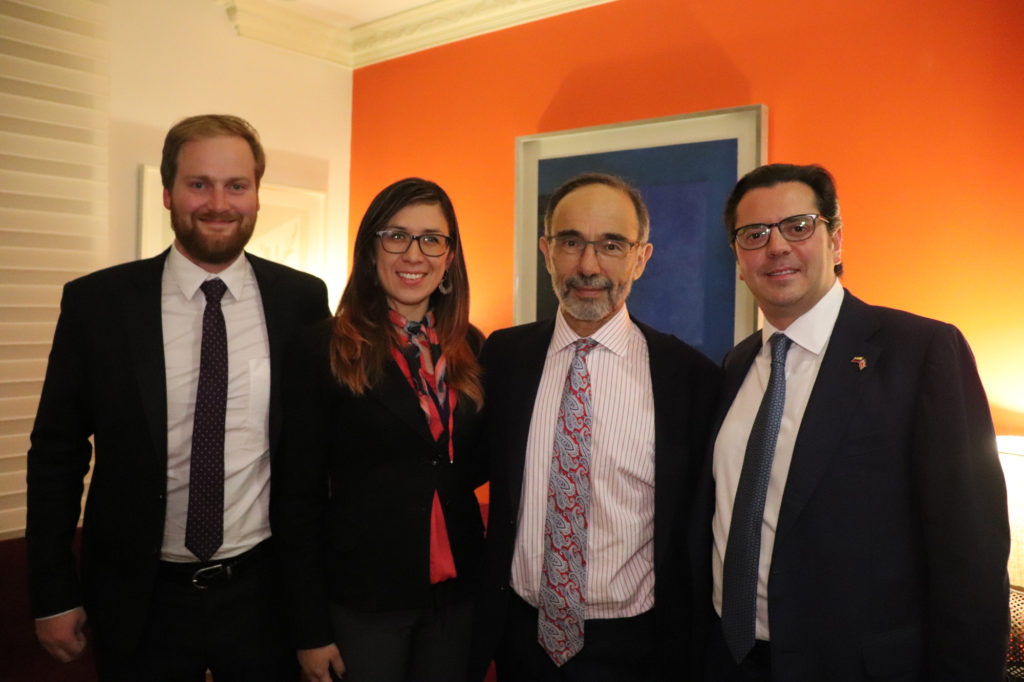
[(1011, 455)]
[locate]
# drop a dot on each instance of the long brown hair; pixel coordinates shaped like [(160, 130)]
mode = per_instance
[(363, 334)]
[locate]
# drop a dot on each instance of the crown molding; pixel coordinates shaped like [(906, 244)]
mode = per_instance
[(260, 20), (435, 23)]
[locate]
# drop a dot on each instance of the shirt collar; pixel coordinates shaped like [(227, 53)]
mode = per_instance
[(811, 331), (613, 334), (188, 276)]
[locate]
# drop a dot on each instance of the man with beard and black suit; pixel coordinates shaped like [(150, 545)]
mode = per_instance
[(595, 425), (855, 523), (171, 366)]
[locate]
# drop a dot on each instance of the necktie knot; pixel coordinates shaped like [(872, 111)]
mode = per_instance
[(780, 346), (584, 346), (214, 290)]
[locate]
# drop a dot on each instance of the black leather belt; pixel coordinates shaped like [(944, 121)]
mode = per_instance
[(205, 574)]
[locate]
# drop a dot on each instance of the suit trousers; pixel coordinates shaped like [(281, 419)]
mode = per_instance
[(426, 644), (614, 650), (232, 627)]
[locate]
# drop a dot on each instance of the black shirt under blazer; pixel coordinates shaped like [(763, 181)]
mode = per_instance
[(106, 379), (890, 552), (351, 508), (685, 385)]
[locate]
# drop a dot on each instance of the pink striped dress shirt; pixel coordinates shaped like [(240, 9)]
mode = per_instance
[(620, 572)]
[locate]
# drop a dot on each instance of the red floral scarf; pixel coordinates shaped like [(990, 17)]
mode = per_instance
[(417, 353)]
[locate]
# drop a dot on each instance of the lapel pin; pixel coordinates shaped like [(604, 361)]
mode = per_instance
[(859, 361)]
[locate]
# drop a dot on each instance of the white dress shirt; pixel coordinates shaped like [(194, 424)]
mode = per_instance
[(246, 439), (620, 569), (810, 334)]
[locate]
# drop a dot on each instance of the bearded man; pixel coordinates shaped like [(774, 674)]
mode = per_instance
[(594, 430), (168, 365)]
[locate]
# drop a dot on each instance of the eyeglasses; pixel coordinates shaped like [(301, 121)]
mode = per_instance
[(795, 228), (399, 241), (610, 247)]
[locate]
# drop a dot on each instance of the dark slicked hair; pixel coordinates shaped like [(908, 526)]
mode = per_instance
[(814, 176), (642, 218), (202, 127), (362, 331)]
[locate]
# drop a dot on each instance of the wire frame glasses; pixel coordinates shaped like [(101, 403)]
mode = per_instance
[(796, 228)]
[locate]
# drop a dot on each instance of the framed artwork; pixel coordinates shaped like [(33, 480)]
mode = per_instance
[(684, 166), (290, 229)]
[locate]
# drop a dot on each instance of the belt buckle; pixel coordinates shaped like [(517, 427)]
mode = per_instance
[(203, 577)]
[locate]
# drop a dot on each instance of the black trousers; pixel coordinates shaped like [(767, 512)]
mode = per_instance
[(231, 626), (614, 650), (425, 644)]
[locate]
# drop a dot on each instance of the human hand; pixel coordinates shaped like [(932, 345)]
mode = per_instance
[(317, 663), (63, 636)]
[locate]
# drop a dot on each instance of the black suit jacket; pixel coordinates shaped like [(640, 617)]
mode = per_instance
[(890, 553), (351, 500), (685, 386), (106, 380)]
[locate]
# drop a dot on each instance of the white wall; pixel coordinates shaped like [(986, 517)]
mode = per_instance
[(171, 59)]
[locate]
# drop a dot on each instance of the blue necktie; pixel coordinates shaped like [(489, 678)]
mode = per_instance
[(204, 527), (743, 550)]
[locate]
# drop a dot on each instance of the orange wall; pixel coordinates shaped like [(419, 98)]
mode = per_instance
[(915, 107)]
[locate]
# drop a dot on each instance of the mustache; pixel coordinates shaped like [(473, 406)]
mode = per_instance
[(218, 215), (586, 282)]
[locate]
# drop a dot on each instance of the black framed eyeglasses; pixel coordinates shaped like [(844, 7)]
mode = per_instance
[(574, 245), (795, 228), (399, 241)]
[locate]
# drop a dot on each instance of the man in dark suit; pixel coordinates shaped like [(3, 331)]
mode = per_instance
[(861, 534), (175, 569), (608, 607)]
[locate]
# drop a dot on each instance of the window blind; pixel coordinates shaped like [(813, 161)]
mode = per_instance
[(53, 199)]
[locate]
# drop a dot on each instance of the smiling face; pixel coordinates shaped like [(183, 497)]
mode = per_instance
[(214, 200), (592, 289), (786, 278), (409, 278)]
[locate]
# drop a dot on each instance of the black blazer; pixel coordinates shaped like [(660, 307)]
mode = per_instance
[(685, 386), (351, 503), (892, 540), (106, 379)]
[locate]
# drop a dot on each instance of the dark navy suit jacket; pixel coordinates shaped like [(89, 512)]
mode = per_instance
[(890, 553), (106, 379)]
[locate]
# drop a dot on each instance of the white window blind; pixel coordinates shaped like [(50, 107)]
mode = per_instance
[(53, 199)]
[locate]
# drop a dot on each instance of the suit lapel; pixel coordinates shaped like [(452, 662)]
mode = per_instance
[(143, 322), (524, 366), (737, 364), (274, 317), (396, 395), (830, 408), (669, 462)]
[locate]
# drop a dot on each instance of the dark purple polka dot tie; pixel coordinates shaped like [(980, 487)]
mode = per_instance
[(204, 530), (743, 548)]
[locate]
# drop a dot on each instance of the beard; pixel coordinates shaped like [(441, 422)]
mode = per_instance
[(591, 309), (212, 248)]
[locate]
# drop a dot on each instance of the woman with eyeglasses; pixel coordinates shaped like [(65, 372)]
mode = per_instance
[(372, 504)]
